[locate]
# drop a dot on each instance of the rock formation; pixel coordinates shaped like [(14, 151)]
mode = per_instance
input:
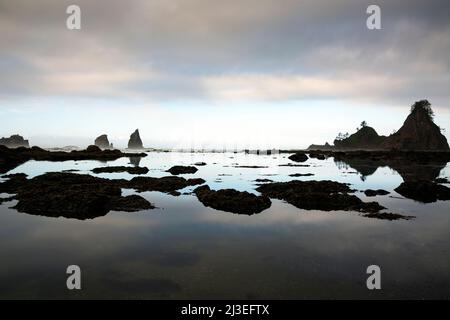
[(364, 138), (135, 141), (418, 132), (102, 142), (14, 141)]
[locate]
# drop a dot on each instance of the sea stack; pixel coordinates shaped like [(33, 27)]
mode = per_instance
[(102, 142), (418, 132), (14, 141), (135, 141)]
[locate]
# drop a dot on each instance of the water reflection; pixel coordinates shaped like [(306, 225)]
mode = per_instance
[(184, 250), (407, 169), (135, 161)]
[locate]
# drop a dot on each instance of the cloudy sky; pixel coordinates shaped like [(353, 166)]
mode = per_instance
[(210, 73)]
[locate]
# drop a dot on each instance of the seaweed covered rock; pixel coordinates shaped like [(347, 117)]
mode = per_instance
[(71, 196), (231, 200), (318, 195), (83, 196)]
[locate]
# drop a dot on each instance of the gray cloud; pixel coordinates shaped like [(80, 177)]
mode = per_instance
[(209, 50)]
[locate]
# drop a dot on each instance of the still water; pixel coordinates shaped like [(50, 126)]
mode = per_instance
[(183, 250)]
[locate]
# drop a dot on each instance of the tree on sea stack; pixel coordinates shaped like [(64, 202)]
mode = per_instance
[(135, 141), (424, 105)]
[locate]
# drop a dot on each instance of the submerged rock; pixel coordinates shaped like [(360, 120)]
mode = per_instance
[(102, 142), (231, 200), (423, 191), (373, 193), (135, 141), (301, 175), (318, 195), (387, 216), (176, 170), (298, 157), (130, 170)]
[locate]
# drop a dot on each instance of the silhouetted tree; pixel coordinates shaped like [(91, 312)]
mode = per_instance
[(363, 124), (425, 105)]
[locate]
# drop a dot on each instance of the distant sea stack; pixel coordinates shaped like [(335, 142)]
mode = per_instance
[(365, 138), (102, 142), (135, 141), (418, 132), (14, 141)]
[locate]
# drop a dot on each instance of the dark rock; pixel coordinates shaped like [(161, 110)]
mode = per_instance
[(135, 141), (84, 196), (293, 165), (164, 184), (231, 200), (318, 156), (301, 175), (319, 147), (373, 193), (442, 180), (131, 203), (418, 132), (298, 157), (318, 195), (14, 141), (200, 164), (71, 196), (91, 148), (102, 142), (364, 138), (263, 180), (11, 158), (176, 170), (423, 191), (250, 167), (387, 216), (130, 170)]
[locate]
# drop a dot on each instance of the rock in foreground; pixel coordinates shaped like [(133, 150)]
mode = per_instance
[(231, 200), (71, 196), (83, 196), (318, 195)]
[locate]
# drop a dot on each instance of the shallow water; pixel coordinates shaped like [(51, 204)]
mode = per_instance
[(185, 250)]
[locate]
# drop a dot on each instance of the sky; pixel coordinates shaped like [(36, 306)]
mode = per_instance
[(218, 74)]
